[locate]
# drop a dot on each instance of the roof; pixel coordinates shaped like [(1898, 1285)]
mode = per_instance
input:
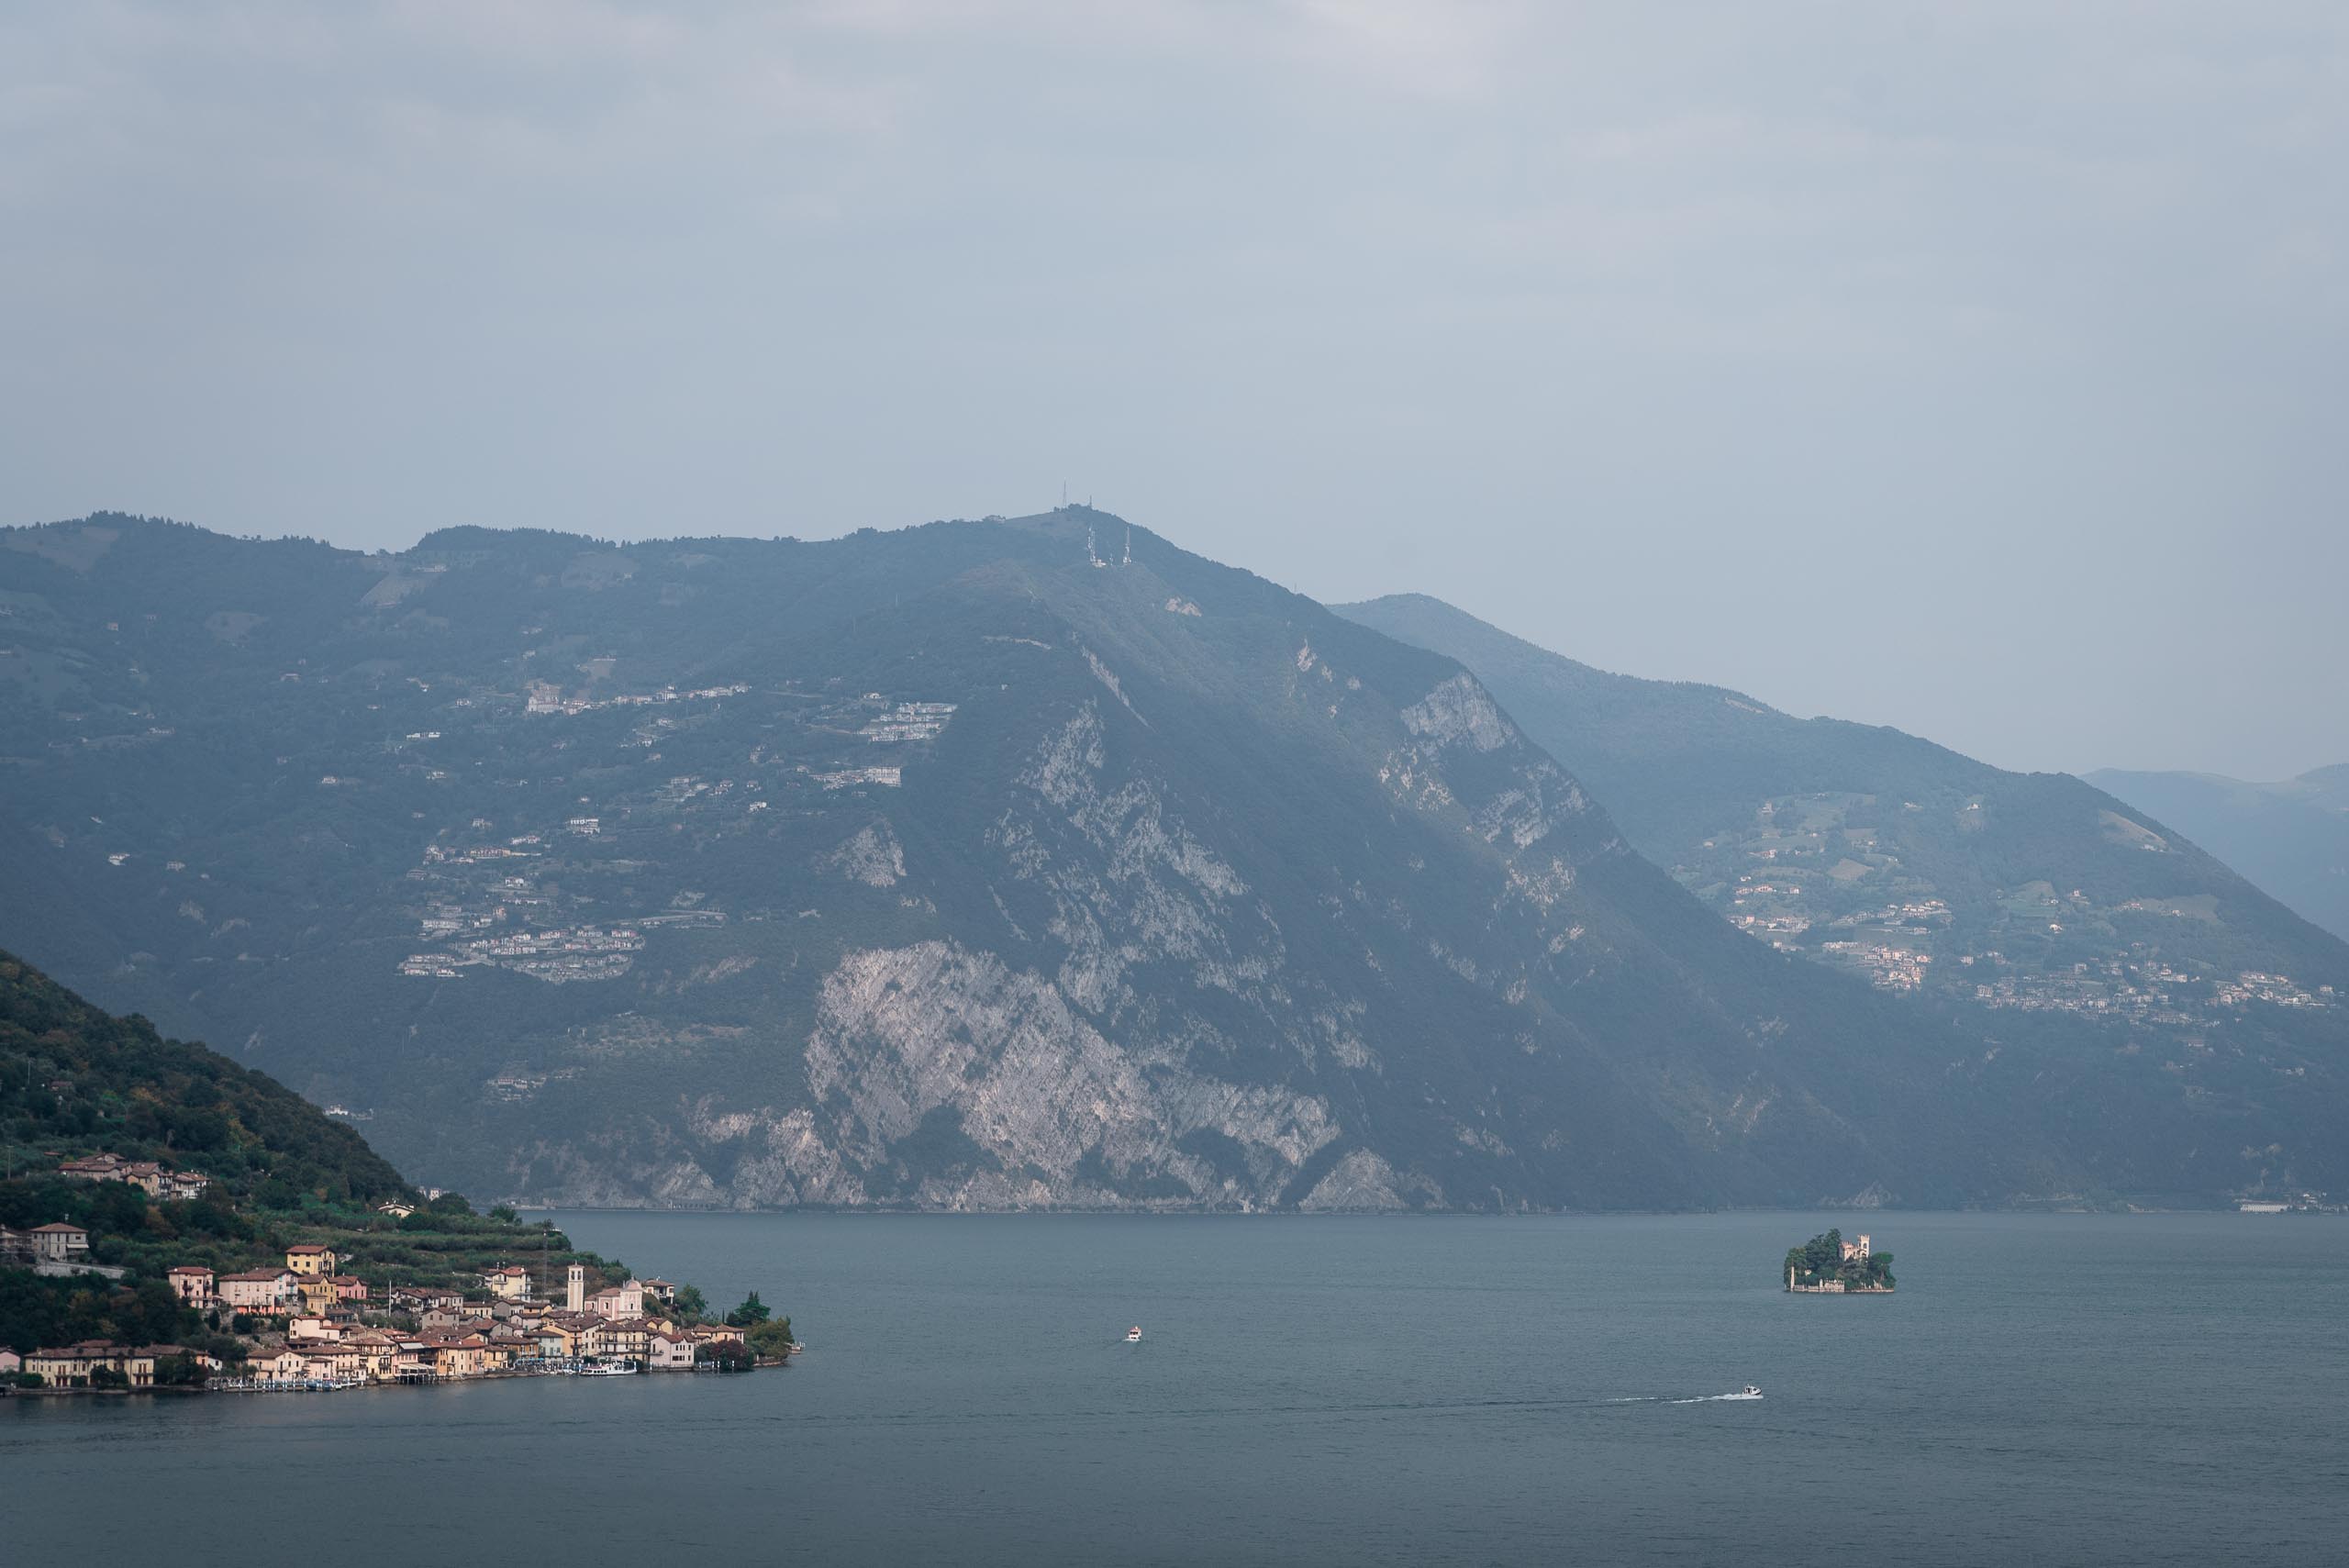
[(191, 1269), (255, 1274), (59, 1228), (307, 1247)]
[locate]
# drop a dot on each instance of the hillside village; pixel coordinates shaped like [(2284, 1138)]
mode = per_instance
[(303, 1321), (274, 1250), (1801, 876), (308, 1327), (522, 901)]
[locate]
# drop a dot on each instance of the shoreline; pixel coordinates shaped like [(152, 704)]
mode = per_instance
[(504, 1375), (1428, 1214)]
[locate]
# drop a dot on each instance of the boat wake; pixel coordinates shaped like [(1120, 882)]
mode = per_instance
[(1749, 1392)]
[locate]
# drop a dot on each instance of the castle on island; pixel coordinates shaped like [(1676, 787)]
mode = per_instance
[(1829, 1265)]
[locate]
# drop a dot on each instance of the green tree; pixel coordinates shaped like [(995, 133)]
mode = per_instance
[(750, 1313), (725, 1355), (690, 1304)]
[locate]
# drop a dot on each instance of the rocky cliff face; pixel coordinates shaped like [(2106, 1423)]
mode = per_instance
[(981, 866)]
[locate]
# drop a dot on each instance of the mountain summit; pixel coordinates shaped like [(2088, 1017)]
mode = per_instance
[(1017, 862)]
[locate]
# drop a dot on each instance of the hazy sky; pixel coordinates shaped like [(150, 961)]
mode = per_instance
[(1981, 369)]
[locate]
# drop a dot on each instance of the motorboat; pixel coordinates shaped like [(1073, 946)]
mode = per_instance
[(1749, 1392), (1133, 1335)]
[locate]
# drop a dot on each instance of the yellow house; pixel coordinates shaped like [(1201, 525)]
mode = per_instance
[(458, 1357), (337, 1362), (629, 1336), (507, 1284), (311, 1259), (139, 1364), (376, 1353), (279, 1366), (71, 1366)]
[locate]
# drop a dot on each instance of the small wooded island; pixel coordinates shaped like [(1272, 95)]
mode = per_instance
[(1829, 1265)]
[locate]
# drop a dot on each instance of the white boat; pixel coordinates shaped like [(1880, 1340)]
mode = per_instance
[(1749, 1392), (1133, 1335), (607, 1369)]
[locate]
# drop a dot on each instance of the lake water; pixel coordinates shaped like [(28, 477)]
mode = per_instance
[(2053, 1389)]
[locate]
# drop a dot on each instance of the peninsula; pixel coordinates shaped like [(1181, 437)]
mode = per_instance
[(1829, 1265), (172, 1219)]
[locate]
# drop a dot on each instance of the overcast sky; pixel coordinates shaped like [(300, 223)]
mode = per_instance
[(1975, 368)]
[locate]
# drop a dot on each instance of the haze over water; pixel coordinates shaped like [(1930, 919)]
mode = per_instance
[(2055, 1388)]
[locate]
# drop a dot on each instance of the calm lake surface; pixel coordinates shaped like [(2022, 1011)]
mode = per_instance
[(2054, 1389)]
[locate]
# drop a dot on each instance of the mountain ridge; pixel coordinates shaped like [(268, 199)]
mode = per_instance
[(1017, 863), (2290, 837), (1930, 874)]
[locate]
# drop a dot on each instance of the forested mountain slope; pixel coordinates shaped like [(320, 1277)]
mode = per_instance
[(2291, 837), (981, 864), (1929, 873), (75, 1081)]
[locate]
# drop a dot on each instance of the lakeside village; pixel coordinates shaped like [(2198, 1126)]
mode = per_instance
[(307, 1323), (1829, 1265)]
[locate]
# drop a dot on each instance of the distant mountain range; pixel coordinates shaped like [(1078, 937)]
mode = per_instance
[(1929, 874), (1036, 862), (2290, 837)]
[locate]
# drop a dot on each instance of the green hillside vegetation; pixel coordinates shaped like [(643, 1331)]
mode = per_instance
[(75, 1080)]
